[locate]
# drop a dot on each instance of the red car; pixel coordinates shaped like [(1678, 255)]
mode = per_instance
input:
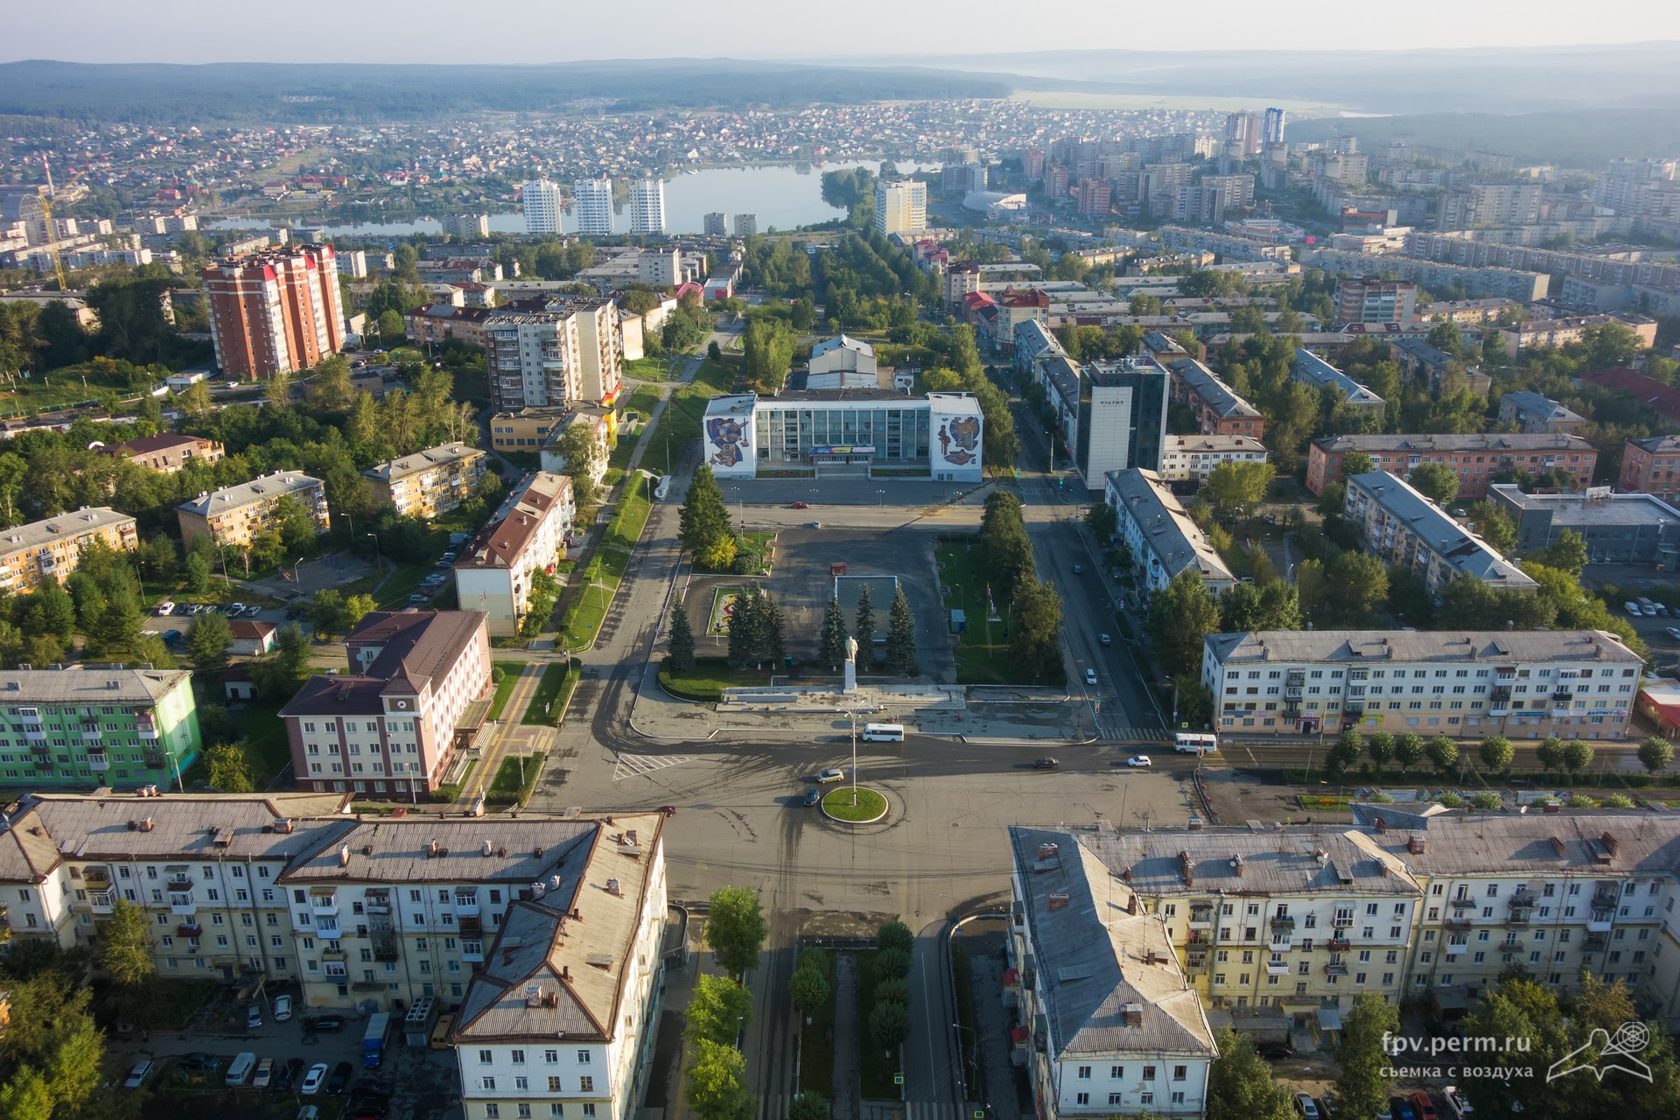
[(1425, 1106), (668, 810), (799, 505)]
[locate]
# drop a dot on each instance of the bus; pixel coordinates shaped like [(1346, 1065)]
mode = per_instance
[(1195, 742), (883, 733)]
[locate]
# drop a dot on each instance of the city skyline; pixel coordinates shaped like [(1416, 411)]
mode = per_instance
[(113, 33)]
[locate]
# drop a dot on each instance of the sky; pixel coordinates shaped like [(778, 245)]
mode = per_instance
[(445, 31)]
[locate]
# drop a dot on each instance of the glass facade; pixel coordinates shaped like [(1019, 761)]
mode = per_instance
[(898, 433)]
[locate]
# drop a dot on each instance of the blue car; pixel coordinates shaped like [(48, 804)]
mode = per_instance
[(812, 796), (172, 637)]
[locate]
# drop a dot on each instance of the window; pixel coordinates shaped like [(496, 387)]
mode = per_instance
[(1114, 1098), (583, 1057), (492, 1111), (1149, 1073), (521, 1084), (554, 1084), (552, 1057), (484, 1057), (489, 1082), (1115, 1073), (1180, 1072), (557, 1110), (1084, 1072), (586, 1084), (524, 1111), (1082, 1098), (519, 1057), (589, 1111)]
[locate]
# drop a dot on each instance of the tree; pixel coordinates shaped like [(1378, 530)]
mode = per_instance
[(1550, 753), (892, 963), (1656, 753), (124, 950), (158, 559), (864, 631), (1497, 753), (229, 771), (895, 935), (703, 522), (1241, 1085), (1349, 746), (809, 990), (1273, 605), (1181, 615), (1357, 462), (208, 639), (735, 928), (714, 351), (1236, 488), (679, 658), (26, 1096), (198, 573), (1568, 553), (889, 1025), (766, 354), (1435, 481), (1102, 520), (278, 391), (1442, 752), (581, 451), (717, 1010), (831, 649), (1408, 750), (1346, 590), (1493, 525), (808, 1104), (1362, 1087), (717, 1089), (1380, 746), (901, 637), (1577, 756), (1035, 630)]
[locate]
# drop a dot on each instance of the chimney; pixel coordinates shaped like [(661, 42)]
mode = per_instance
[(1557, 846), (1058, 900), (147, 824), (1186, 868), (566, 973), (1131, 904), (614, 889), (1610, 843), (1382, 825), (486, 849), (344, 855), (431, 849), (1415, 844), (1237, 866)]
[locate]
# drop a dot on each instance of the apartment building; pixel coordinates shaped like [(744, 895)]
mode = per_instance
[(1532, 412), (1475, 458), (1466, 312), (560, 1021), (529, 533), (1368, 300), (415, 695), (1560, 332), (427, 482), (594, 202), (900, 207), (234, 515), (1219, 410), (89, 725), (1407, 530), (1160, 534), (275, 312), (746, 225), (1314, 372), (1519, 684), (167, 453), (1111, 416), (1108, 1024), (32, 554), (715, 224), (1652, 465), (543, 204), (525, 430), (1186, 458), (569, 352), (1506, 283), (1616, 528), (382, 912), (647, 206)]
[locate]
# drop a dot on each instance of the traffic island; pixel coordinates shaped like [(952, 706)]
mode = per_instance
[(866, 808)]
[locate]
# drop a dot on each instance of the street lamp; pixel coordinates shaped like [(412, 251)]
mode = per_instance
[(881, 495), (378, 561), (962, 1067)]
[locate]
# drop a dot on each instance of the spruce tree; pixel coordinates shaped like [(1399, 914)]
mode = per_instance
[(741, 631), (901, 637), (680, 656), (758, 627), (703, 522), (832, 648), (865, 629), (775, 648)]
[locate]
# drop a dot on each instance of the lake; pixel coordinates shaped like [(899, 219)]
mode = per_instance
[(781, 195)]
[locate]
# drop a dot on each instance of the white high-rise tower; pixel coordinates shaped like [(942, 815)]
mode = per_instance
[(542, 203), (594, 206), (647, 206)]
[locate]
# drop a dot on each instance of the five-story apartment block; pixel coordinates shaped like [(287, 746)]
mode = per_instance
[(235, 515), (427, 482), (33, 554), (96, 726)]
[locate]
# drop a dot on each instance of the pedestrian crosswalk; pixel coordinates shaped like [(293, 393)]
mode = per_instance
[(932, 1110), (1126, 734), (632, 765)]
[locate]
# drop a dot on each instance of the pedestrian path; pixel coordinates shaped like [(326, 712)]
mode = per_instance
[(932, 1110), (1144, 734), (631, 765)]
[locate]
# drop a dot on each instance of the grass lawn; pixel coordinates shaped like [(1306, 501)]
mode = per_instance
[(267, 750), (816, 1047), (1323, 802), (168, 1005), (504, 687), (710, 676), (606, 567), (549, 700), (876, 1067), (867, 806), (962, 580), (649, 369), (679, 427), (402, 583), (641, 402), (514, 779)]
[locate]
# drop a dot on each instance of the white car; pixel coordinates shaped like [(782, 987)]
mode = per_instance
[(137, 1076), (1674, 632), (1139, 760), (282, 1008), (1633, 609), (165, 608), (1305, 1107), (1091, 677), (1457, 1103), (253, 1017), (313, 1079), (830, 775)]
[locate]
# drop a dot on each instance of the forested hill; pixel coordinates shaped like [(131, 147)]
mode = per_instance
[(308, 93)]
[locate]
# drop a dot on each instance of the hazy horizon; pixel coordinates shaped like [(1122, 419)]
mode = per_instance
[(431, 32)]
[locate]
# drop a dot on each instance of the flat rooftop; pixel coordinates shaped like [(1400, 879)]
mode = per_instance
[(1598, 509)]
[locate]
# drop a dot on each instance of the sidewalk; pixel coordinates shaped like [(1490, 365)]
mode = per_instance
[(846, 1101)]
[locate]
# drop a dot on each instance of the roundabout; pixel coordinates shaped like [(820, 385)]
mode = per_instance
[(867, 807)]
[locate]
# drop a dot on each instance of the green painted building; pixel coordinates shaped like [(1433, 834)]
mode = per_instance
[(88, 726)]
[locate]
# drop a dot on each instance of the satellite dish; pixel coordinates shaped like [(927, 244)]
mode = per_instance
[(96, 443)]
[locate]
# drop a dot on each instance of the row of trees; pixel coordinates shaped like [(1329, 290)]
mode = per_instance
[(962, 371), (1033, 607), (900, 643)]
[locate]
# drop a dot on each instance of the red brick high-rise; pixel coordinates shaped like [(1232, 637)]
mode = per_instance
[(276, 311)]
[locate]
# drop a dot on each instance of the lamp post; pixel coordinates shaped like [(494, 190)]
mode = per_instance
[(852, 715), (962, 1066), (378, 560)]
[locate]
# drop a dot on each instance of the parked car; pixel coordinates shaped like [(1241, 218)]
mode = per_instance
[(172, 637), (1045, 764), (1399, 1108), (812, 796), (264, 1075), (137, 1076), (1305, 1107), (340, 1079), (1457, 1103), (235, 608), (1274, 1051), (1425, 1105), (418, 597), (198, 1063), (282, 1008), (816, 524), (1105, 639), (1674, 632), (1140, 760), (253, 1017), (314, 1079), (323, 1024), (1079, 569), (165, 607), (1633, 609), (309, 1112), (799, 505), (830, 775), (287, 1075), (251, 611)]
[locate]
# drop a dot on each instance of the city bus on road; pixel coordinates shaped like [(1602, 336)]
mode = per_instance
[(1195, 742), (883, 733)]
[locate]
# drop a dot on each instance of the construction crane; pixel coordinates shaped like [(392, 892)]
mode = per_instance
[(52, 229)]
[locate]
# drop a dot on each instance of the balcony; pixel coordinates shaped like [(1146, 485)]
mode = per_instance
[(327, 929), (182, 905), (1461, 902), (1519, 916), (472, 951), (324, 903), (1457, 924), (96, 874), (1456, 948), (179, 881), (1277, 968), (103, 902), (1283, 923), (471, 927), (156, 760), (1201, 917), (98, 761), (1339, 943), (35, 733), (1505, 676), (1607, 896), (190, 930), (1595, 942), (1335, 968), (466, 906), (1599, 921), (145, 728), (1195, 962), (1342, 921), (91, 733)]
